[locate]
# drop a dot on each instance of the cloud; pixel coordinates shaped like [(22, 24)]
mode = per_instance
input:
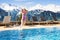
[(29, 3), (20, 0), (50, 7), (26, 5), (38, 6), (17, 0), (7, 7)]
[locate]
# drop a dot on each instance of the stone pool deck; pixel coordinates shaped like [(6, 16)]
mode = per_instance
[(2, 28), (41, 26)]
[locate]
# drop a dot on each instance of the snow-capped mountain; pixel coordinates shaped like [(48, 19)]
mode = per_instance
[(8, 7), (2, 14), (37, 14), (9, 10), (43, 15), (50, 7)]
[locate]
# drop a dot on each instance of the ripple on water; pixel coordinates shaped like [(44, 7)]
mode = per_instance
[(10, 35), (41, 34)]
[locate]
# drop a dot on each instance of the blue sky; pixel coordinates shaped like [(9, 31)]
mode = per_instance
[(30, 2)]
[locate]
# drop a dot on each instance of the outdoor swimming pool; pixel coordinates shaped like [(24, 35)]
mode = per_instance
[(41, 34), (10, 35), (31, 34)]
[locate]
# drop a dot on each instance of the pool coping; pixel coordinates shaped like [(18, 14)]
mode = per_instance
[(2, 28)]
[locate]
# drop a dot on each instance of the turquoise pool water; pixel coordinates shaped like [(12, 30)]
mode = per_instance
[(31, 34), (41, 34), (10, 35)]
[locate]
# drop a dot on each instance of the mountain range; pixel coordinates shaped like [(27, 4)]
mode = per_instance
[(9, 10), (43, 15), (33, 15)]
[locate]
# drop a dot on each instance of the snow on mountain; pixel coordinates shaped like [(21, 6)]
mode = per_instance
[(11, 10), (49, 7), (8, 7)]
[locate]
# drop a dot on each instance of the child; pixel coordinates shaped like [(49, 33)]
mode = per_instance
[(24, 11)]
